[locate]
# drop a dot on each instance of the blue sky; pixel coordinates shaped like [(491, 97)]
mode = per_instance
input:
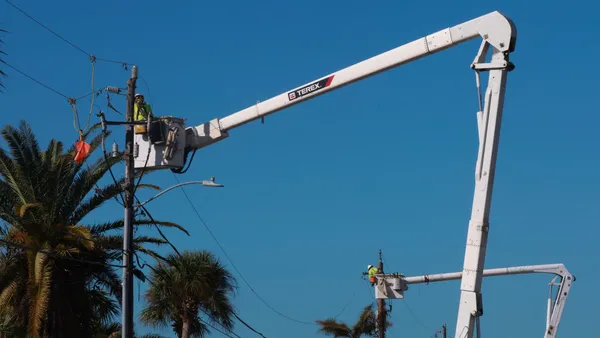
[(386, 163)]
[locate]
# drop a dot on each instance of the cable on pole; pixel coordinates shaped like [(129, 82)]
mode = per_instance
[(248, 326), (233, 264), (124, 64), (37, 81)]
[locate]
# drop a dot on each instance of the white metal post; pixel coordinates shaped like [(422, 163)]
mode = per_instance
[(549, 312), (489, 122)]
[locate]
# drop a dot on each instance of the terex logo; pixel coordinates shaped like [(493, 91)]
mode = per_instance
[(315, 86)]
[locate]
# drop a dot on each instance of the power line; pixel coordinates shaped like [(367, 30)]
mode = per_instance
[(202, 310), (230, 260), (345, 306), (216, 329), (235, 314), (70, 100), (93, 59), (136, 198), (410, 310), (225, 253), (62, 38), (248, 326), (209, 316), (414, 316), (37, 81), (233, 264)]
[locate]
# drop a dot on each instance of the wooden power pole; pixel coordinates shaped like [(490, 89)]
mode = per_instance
[(381, 311), (442, 331), (127, 306)]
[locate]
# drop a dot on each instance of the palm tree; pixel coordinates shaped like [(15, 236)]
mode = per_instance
[(55, 273), (113, 330), (365, 325), (184, 288)]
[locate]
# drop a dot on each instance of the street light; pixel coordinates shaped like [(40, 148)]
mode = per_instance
[(207, 183)]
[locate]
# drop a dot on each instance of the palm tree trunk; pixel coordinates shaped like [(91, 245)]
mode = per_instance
[(185, 328)]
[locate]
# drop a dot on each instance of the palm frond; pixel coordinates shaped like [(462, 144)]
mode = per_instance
[(331, 327), (196, 279)]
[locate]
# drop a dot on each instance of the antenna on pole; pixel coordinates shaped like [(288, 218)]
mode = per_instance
[(442, 331), (381, 310)]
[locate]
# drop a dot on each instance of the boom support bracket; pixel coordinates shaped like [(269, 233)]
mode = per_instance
[(489, 119)]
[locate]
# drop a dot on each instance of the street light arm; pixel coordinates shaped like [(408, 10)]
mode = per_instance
[(205, 183)]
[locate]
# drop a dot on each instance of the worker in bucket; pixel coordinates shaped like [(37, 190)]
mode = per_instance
[(142, 109), (372, 272)]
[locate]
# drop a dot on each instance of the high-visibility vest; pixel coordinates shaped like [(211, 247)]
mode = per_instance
[(142, 114), (373, 271)]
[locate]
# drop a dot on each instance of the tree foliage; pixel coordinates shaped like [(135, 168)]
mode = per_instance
[(366, 325), (56, 276), (188, 288)]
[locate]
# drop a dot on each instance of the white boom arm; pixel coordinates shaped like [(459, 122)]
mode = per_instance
[(555, 309), (495, 29)]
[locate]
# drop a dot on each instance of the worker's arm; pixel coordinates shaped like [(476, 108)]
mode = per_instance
[(149, 109)]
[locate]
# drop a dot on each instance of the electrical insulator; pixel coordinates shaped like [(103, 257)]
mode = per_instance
[(113, 90), (115, 150)]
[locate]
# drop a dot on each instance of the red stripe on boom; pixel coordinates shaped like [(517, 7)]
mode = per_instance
[(329, 81)]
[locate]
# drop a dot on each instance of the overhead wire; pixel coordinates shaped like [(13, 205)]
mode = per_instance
[(235, 267), (218, 330), (248, 326), (54, 90), (78, 128), (36, 80), (112, 175), (72, 102), (235, 314), (415, 316), (238, 271), (408, 308), (146, 211), (96, 92), (208, 315), (343, 308), (233, 264), (62, 38), (201, 310)]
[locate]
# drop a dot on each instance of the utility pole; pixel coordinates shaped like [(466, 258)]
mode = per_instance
[(442, 331), (381, 311), (127, 302)]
